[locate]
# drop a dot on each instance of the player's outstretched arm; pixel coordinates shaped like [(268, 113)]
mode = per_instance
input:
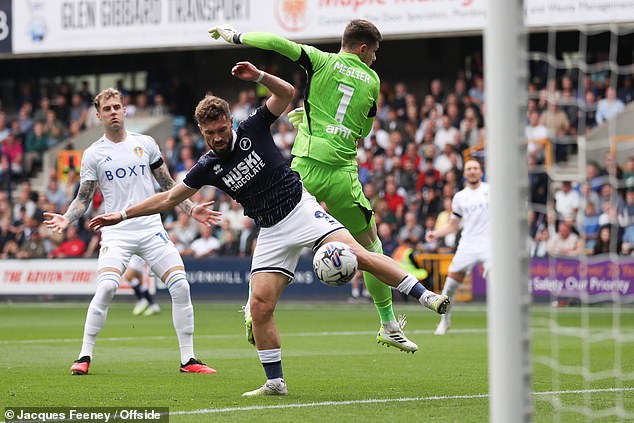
[(261, 40), (449, 228), (281, 91), (77, 208), (157, 203)]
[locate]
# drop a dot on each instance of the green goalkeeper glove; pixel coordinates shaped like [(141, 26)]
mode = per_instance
[(296, 117), (227, 33)]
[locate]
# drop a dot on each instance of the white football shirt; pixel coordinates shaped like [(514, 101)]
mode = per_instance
[(124, 173), (472, 207)]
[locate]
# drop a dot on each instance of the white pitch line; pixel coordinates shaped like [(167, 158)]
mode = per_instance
[(382, 401), (286, 335)]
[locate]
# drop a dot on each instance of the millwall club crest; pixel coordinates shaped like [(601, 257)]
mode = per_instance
[(245, 144), (138, 151), (217, 168)]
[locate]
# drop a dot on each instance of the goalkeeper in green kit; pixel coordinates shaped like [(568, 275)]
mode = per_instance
[(339, 108)]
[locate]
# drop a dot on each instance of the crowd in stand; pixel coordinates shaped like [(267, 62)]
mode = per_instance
[(410, 166)]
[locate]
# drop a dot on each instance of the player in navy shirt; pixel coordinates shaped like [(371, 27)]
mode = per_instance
[(248, 167), (253, 171)]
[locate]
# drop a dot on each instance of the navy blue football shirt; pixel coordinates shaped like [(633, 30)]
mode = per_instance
[(254, 173)]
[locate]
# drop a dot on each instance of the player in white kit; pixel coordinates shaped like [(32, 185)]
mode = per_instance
[(124, 165), (471, 207)]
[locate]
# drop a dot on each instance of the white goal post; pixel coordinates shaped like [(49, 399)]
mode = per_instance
[(507, 294)]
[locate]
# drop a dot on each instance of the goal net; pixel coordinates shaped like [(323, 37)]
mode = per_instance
[(571, 104)]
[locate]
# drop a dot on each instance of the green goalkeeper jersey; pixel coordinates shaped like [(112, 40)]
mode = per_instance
[(340, 99)]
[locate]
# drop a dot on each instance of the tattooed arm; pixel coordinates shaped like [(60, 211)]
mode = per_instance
[(200, 212), (165, 181), (77, 208)]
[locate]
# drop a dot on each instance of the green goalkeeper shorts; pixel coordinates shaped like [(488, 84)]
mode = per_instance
[(341, 191)]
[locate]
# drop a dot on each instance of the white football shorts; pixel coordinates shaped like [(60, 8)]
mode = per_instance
[(278, 248), (153, 247), (464, 260)]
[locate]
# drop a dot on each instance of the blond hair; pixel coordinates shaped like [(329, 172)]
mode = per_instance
[(105, 95)]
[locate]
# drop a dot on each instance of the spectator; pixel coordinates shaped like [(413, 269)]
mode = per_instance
[(469, 134), (590, 225), (159, 108), (235, 216), (5, 129), (594, 176), (170, 153), (184, 230), (78, 111), (627, 247), (430, 204), (248, 235), (607, 241), (411, 230), (443, 219), (11, 148), (626, 93), (447, 134), (564, 243), (609, 107), (56, 195), (7, 237), (143, 108), (476, 92), (448, 159), (607, 194), (34, 147), (206, 245), (284, 138), (535, 132), (73, 246), (32, 247), (243, 108), (539, 243), (589, 112), (567, 201), (437, 91), (628, 173), (230, 245), (395, 202), (387, 238), (381, 135), (72, 183), (558, 125)]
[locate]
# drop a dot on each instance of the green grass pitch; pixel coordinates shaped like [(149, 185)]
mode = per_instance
[(334, 368)]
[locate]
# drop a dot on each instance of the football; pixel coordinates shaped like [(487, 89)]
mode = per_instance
[(335, 263)]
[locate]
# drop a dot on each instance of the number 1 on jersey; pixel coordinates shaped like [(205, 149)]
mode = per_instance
[(345, 101)]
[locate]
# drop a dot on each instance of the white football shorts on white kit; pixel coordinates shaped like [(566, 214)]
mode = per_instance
[(154, 247), (465, 259), (278, 248)]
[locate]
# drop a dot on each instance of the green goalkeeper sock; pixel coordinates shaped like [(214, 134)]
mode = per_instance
[(380, 292)]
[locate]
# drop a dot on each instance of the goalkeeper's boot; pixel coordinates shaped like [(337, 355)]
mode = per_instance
[(140, 307), (196, 366), (443, 326), (248, 321), (269, 388), (436, 302), (391, 335), (80, 366)]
